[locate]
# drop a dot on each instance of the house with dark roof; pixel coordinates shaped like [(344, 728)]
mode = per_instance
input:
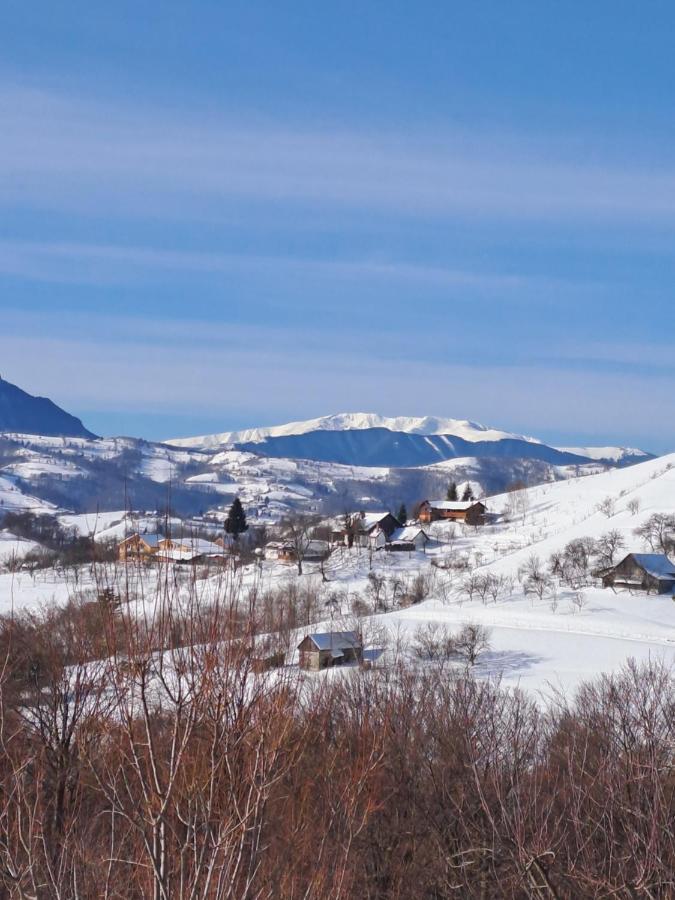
[(470, 511), (642, 572), (322, 650), (364, 529)]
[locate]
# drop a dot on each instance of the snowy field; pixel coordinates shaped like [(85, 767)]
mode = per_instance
[(542, 645)]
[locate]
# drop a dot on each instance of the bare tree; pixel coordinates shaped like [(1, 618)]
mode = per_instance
[(472, 640), (607, 546)]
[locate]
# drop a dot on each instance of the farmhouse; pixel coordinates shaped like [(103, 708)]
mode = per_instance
[(470, 511), (325, 649), (642, 571), (364, 528), (138, 546)]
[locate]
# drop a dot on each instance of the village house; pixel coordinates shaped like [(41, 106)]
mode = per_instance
[(323, 650), (138, 546), (408, 538), (191, 550), (470, 511), (364, 529), (642, 571)]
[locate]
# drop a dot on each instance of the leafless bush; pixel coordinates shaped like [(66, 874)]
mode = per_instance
[(433, 642)]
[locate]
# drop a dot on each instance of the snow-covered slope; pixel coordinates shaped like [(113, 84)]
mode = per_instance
[(610, 454), (462, 428)]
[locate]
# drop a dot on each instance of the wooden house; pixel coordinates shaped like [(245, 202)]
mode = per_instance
[(138, 546), (365, 528), (470, 511), (642, 571), (326, 649), (191, 550)]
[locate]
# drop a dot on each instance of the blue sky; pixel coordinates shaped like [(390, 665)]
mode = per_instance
[(216, 214)]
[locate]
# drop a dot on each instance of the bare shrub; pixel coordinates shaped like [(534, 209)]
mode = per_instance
[(432, 642)]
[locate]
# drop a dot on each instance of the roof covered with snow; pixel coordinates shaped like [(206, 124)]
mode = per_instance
[(458, 505), (407, 534), (335, 640)]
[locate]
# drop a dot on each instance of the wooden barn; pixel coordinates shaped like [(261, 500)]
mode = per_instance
[(325, 649), (470, 511), (408, 538), (644, 572)]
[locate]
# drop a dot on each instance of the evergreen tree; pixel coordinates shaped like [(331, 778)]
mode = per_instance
[(235, 523), (468, 493), (402, 514), (452, 492)]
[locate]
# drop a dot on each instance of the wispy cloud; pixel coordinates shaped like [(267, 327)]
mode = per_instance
[(83, 263), (58, 152)]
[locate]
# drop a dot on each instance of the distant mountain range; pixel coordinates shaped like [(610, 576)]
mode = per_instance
[(366, 439), (23, 413), (49, 461)]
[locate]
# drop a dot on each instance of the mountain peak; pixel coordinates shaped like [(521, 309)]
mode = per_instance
[(357, 421), (24, 413)]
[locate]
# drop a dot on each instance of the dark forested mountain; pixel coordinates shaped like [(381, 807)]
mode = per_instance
[(22, 412)]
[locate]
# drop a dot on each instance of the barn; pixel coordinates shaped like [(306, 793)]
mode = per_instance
[(642, 571), (322, 650)]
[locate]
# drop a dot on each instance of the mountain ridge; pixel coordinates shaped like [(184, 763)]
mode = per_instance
[(369, 439), (24, 413)]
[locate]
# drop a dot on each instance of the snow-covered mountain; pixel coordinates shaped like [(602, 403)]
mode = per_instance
[(426, 425), (22, 412), (351, 460), (617, 455), (367, 439)]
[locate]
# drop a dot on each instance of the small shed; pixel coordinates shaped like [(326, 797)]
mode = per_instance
[(409, 538), (642, 571), (322, 650)]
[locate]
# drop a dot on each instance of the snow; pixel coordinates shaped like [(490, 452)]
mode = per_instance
[(12, 546), (470, 431), (539, 645), (613, 454)]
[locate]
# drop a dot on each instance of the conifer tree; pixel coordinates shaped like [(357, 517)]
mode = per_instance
[(452, 492), (235, 523), (468, 493), (402, 514)]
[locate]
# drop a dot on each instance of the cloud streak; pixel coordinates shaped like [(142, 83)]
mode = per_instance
[(61, 153), (82, 263)]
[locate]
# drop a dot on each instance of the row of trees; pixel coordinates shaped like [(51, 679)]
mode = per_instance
[(142, 756)]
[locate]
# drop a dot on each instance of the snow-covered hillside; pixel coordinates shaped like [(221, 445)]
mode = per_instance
[(79, 475), (538, 643)]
